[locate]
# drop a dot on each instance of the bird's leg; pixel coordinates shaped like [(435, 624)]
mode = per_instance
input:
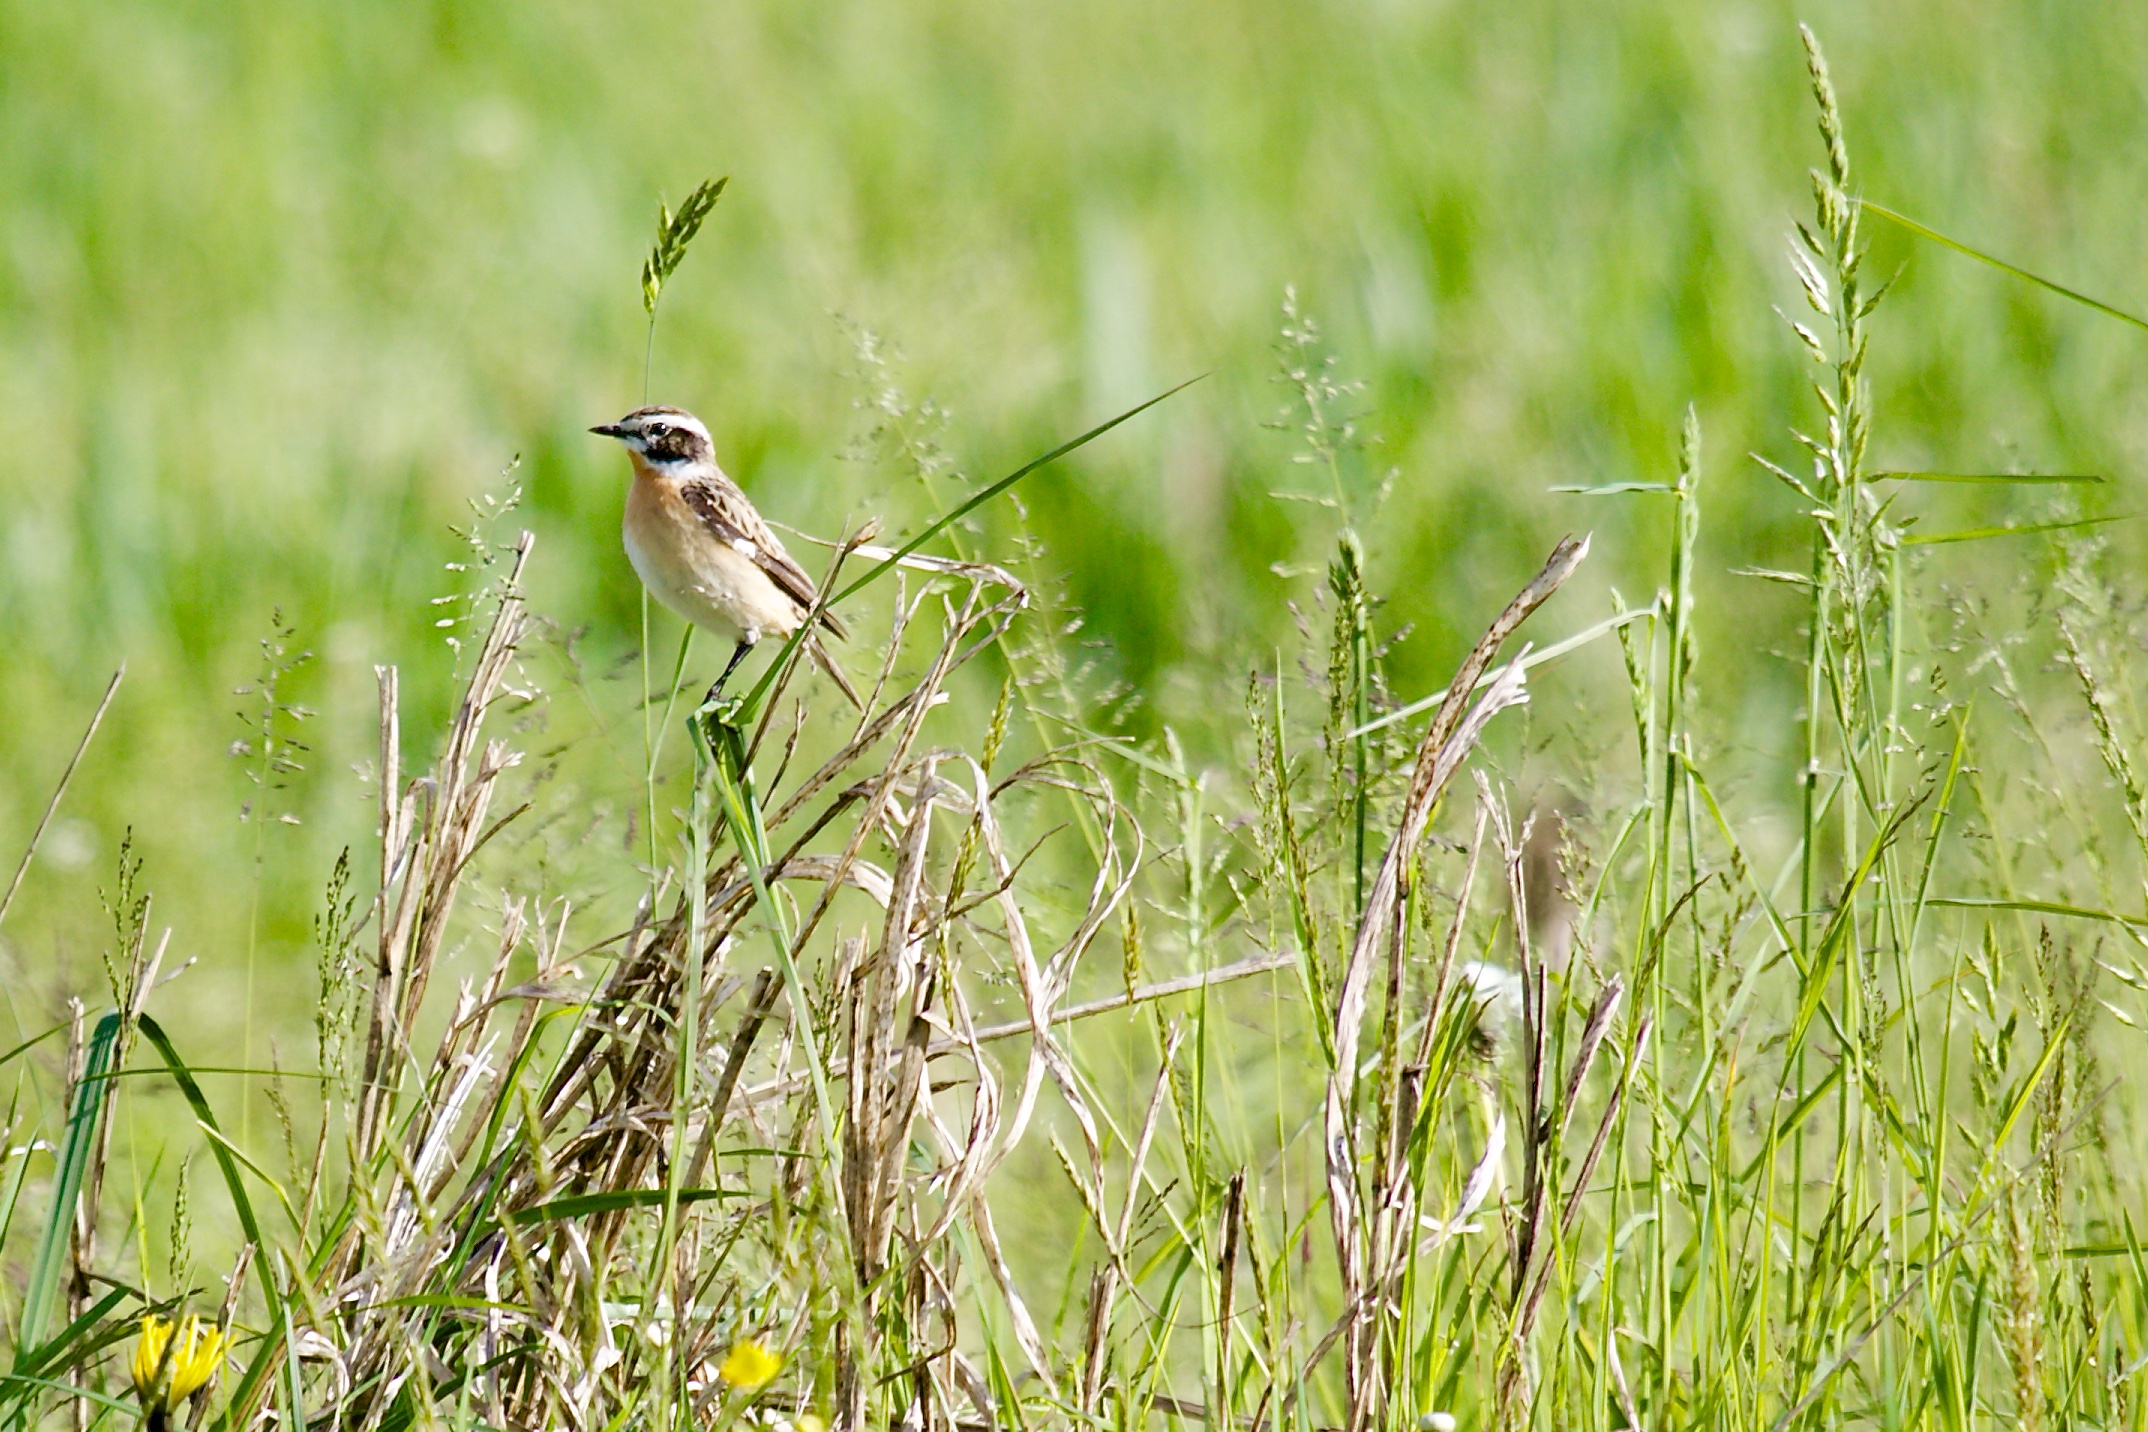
[(714, 710), (738, 654)]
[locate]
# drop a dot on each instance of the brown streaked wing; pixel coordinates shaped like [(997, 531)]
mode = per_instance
[(734, 522)]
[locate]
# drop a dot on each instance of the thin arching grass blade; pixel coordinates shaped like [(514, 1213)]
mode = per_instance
[(961, 510), (2030, 478), (52, 807), (183, 1074), (80, 1394), (1812, 1000), (1613, 489), (2019, 529), (2001, 264), (11, 1194), (31, 1043), (2133, 923), (986, 494), (1529, 662)]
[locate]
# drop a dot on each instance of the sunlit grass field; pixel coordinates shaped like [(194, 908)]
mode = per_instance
[(285, 285), (1831, 854)]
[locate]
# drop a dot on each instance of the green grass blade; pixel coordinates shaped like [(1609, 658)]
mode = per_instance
[(961, 510), (266, 1359), (2055, 1042), (73, 1392), (2129, 1250), (742, 813), (1839, 926), (2137, 925), (11, 1197), (31, 1043), (985, 494), (294, 1378), (37, 837), (481, 1217), (1941, 810), (1612, 489), (1530, 661), (581, 1205), (1812, 1098), (2001, 264), (246, 1162), (219, 1148), (451, 1302), (40, 1360), (2020, 529), (1780, 926), (84, 1113), (1989, 477)]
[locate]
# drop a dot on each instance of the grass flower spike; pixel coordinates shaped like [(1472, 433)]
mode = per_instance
[(750, 1367), (173, 1361)]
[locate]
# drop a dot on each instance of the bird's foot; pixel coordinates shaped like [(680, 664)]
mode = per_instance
[(717, 709), (717, 723)]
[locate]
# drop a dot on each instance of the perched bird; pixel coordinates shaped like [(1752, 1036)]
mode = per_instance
[(700, 548)]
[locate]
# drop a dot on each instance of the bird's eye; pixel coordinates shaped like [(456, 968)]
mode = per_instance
[(657, 431)]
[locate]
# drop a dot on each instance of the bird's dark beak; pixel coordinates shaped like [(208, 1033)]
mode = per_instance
[(609, 430)]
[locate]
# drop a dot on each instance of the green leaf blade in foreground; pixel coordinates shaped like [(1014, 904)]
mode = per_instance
[(183, 1074), (31, 1363), (85, 1112), (258, 1371)]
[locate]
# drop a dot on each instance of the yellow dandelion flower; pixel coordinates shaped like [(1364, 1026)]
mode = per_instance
[(173, 1361), (808, 1422), (750, 1367)]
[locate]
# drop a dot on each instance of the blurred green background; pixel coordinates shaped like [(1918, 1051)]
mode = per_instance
[(283, 285)]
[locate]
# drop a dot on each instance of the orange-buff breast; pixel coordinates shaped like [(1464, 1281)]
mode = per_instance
[(693, 572)]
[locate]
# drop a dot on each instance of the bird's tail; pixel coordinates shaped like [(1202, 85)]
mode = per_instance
[(816, 649)]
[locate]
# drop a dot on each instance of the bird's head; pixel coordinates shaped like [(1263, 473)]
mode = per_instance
[(667, 439)]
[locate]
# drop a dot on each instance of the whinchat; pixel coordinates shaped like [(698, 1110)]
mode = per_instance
[(700, 548)]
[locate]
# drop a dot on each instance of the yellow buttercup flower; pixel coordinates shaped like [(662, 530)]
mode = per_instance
[(173, 1361), (750, 1367)]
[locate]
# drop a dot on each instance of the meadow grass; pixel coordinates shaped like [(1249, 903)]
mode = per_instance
[(281, 287), (1504, 1058)]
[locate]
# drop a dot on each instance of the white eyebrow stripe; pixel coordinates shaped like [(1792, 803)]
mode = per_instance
[(682, 421)]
